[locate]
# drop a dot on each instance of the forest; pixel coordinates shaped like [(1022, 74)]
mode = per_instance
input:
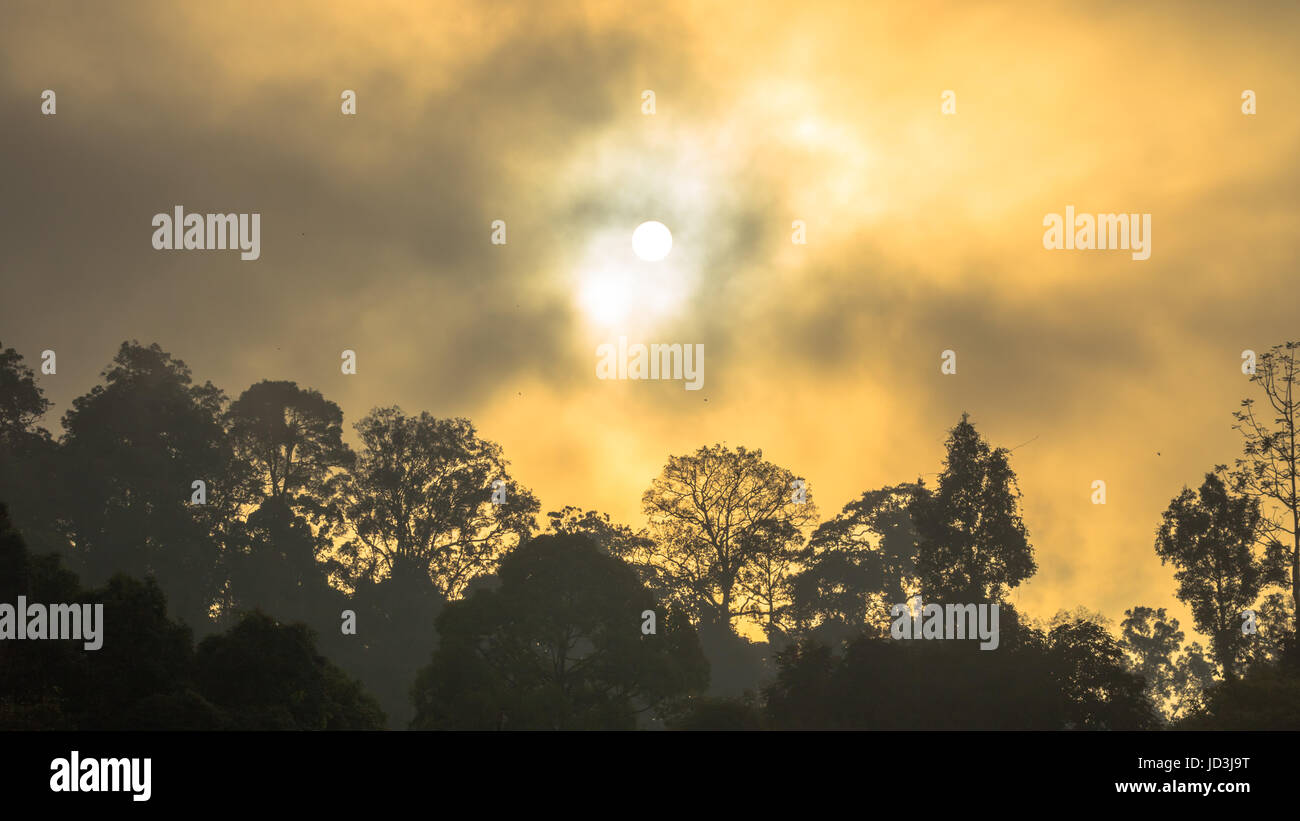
[(256, 571)]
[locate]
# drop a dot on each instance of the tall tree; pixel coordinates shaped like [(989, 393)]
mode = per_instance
[(725, 523), (1270, 470), (1209, 536), (423, 524), (132, 449), (289, 442), (420, 501), (291, 438), (972, 542), (857, 565), (29, 478)]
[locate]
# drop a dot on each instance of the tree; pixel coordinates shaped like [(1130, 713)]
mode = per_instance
[(1267, 697), (882, 684), (1151, 638), (132, 449), (29, 478), (419, 507), (146, 675), (273, 561), (1089, 669), (765, 580), (634, 547), (558, 644), (268, 676), (289, 443), (1274, 639), (146, 654), (21, 400), (619, 539), (972, 544), (1193, 676), (420, 502), (30, 671), (857, 566), (291, 439), (1270, 470), (1080, 613), (726, 527), (1208, 535)]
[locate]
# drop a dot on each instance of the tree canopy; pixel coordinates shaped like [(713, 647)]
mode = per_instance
[(559, 644)]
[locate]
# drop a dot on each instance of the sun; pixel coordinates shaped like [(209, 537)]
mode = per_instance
[(614, 290), (632, 291), (651, 241)]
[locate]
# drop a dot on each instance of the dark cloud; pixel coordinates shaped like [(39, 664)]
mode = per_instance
[(406, 239)]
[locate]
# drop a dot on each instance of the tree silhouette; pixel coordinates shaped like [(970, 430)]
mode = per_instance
[(557, 645), (1274, 639), (31, 672), (146, 655), (29, 469), (1270, 470), (268, 676), (22, 401), (1151, 639), (882, 684), (419, 502), (274, 562), (146, 675), (1267, 697), (418, 505), (1208, 536), (725, 524), (439, 569), (633, 547), (1193, 675), (289, 443), (856, 566), (132, 449), (1072, 677), (1089, 668), (291, 438), (972, 543)]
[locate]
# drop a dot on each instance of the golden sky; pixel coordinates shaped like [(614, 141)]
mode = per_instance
[(924, 231)]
